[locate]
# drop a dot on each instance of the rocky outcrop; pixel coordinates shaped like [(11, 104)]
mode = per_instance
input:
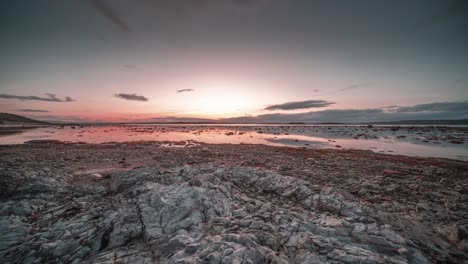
[(206, 214)]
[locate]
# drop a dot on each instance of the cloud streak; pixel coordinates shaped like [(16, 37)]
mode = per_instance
[(459, 106), (109, 13), (32, 111), (130, 67), (354, 87), (300, 105), (49, 98), (131, 97), (179, 7), (185, 90)]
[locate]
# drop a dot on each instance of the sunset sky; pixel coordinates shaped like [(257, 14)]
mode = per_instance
[(235, 60)]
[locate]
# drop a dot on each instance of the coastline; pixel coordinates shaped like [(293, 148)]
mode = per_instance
[(340, 204)]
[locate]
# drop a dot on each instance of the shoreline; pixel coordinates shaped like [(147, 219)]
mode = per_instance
[(371, 207), (193, 143), (443, 142)]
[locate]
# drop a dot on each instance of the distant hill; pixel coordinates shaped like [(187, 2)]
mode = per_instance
[(425, 122), (6, 118)]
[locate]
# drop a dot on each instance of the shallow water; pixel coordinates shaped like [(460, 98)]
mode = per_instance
[(412, 141)]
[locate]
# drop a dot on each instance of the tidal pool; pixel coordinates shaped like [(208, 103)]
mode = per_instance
[(441, 142)]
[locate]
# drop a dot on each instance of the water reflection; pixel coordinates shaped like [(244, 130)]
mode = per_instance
[(412, 141)]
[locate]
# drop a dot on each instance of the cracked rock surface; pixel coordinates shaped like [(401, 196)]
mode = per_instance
[(208, 212)]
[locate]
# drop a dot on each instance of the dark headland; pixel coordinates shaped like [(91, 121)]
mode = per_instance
[(6, 118)]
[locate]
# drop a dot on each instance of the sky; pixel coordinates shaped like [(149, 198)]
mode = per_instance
[(234, 60)]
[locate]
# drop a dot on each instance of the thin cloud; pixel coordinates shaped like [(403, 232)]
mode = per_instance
[(109, 13), (178, 7), (131, 97), (32, 111), (391, 108), (300, 105), (354, 87), (459, 106), (185, 90), (130, 67), (50, 98)]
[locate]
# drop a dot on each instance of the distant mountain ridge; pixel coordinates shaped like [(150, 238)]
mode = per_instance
[(6, 118)]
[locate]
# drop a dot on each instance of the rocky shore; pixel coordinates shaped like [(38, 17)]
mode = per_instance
[(144, 202)]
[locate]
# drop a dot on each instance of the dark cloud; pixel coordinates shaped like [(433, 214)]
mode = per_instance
[(354, 86), (105, 10), (432, 111), (300, 105), (185, 90), (390, 107), (131, 97), (460, 106), (50, 98), (32, 110)]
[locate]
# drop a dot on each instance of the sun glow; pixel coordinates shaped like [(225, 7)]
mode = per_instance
[(217, 100), (221, 105)]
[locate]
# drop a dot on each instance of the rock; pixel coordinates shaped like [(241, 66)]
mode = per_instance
[(402, 251), (12, 231), (224, 213), (448, 231), (389, 172)]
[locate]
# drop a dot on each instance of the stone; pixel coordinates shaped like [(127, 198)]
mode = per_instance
[(214, 213)]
